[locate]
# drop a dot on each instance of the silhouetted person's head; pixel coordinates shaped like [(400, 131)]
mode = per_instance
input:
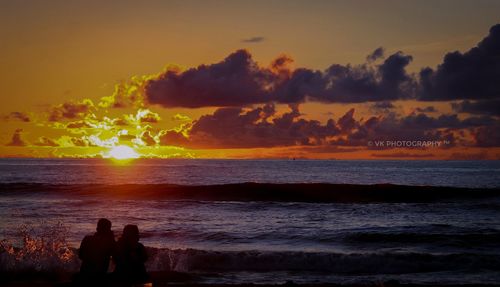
[(130, 256), (130, 234), (95, 252), (103, 226)]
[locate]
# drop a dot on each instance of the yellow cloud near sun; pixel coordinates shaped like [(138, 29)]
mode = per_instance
[(122, 152)]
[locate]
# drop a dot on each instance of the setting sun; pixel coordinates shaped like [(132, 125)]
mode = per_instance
[(122, 152), (330, 143)]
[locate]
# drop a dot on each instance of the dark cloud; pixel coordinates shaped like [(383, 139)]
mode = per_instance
[(239, 81), (258, 127), (487, 136), (257, 39), (173, 137), (126, 94), (375, 55), (390, 127), (346, 123), (349, 84), (384, 106), (448, 129), (235, 81), (70, 110), (281, 68), (428, 109), (472, 75), (17, 139), (17, 116), (263, 127), (485, 107), (245, 94)]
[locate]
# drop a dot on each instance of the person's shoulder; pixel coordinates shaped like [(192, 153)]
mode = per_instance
[(88, 237), (140, 246), (87, 241)]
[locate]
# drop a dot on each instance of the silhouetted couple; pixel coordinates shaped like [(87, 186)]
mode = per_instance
[(128, 255)]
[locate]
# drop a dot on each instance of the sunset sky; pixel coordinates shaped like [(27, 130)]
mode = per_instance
[(250, 79)]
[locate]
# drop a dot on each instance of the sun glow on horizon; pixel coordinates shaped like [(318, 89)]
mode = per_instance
[(122, 152)]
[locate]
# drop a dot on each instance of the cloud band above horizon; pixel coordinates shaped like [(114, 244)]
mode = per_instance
[(238, 80)]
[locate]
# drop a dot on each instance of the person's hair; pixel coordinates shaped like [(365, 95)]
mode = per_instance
[(103, 225), (130, 233)]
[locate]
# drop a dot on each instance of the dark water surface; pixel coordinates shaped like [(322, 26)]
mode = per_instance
[(203, 172), (438, 241)]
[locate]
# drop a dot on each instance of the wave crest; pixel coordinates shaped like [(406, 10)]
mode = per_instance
[(192, 260), (43, 248)]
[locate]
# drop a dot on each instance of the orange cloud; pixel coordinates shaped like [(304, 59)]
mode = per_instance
[(17, 116), (17, 139), (71, 110)]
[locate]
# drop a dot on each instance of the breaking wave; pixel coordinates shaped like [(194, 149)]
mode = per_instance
[(190, 260), (44, 248), (38, 248)]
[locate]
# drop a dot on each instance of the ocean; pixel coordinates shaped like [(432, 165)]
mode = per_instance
[(306, 221)]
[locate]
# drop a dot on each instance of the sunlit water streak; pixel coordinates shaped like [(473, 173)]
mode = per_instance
[(202, 172)]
